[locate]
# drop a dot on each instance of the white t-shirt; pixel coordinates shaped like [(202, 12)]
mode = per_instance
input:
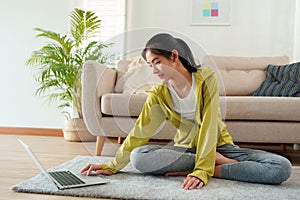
[(185, 107)]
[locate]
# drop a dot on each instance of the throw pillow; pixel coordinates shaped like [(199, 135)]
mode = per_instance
[(281, 80), (122, 67), (140, 80), (125, 69), (137, 78)]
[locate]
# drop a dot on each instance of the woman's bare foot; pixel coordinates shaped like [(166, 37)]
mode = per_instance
[(220, 159)]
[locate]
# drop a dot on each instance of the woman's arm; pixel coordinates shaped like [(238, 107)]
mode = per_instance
[(148, 122), (206, 139)]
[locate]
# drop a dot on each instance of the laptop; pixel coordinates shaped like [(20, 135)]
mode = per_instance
[(65, 179)]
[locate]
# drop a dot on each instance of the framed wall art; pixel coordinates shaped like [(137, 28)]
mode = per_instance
[(211, 12)]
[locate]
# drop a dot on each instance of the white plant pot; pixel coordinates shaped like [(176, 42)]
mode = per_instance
[(76, 131)]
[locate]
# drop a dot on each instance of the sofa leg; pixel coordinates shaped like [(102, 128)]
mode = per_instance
[(99, 145), (120, 140), (283, 147)]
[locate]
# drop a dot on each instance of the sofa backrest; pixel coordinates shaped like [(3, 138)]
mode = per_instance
[(241, 76)]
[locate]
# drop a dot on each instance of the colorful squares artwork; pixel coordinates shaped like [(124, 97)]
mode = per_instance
[(210, 9), (214, 12), (214, 5), (206, 13), (210, 12), (206, 5)]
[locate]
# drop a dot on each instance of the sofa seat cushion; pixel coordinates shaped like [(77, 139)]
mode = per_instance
[(123, 104), (261, 108), (232, 107)]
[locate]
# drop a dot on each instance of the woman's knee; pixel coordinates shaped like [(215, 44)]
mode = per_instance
[(157, 159), (141, 158), (281, 171)]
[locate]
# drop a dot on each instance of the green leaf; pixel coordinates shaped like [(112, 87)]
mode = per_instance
[(58, 63)]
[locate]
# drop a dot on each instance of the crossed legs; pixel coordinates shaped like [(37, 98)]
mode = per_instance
[(232, 163)]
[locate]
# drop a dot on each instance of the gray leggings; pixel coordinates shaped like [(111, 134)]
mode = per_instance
[(254, 166)]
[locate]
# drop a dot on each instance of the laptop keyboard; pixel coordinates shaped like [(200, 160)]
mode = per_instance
[(66, 178)]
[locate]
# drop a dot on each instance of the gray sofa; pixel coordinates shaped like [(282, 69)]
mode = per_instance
[(253, 119)]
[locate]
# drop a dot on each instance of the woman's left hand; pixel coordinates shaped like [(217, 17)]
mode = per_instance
[(191, 183)]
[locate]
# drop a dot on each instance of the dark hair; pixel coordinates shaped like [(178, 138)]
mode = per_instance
[(163, 44)]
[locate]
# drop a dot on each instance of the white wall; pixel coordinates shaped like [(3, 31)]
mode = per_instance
[(258, 27), (18, 105)]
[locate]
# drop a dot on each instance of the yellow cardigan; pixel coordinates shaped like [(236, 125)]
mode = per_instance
[(205, 134)]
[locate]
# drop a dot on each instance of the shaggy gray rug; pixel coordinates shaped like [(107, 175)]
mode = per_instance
[(132, 185)]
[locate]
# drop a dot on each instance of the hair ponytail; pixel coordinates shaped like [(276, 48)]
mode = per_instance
[(163, 44), (186, 56)]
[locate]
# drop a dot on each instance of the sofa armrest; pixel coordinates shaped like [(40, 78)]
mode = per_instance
[(97, 79)]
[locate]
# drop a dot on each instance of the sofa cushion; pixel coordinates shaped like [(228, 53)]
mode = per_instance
[(232, 107), (282, 80), (123, 104), (262, 108), (241, 76)]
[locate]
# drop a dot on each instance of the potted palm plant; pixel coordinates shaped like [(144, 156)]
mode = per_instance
[(58, 64)]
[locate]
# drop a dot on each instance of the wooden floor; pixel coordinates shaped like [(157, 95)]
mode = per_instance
[(16, 166)]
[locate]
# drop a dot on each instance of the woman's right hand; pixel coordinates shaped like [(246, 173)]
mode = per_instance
[(89, 168)]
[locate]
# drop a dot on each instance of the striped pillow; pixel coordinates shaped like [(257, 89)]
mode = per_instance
[(282, 80)]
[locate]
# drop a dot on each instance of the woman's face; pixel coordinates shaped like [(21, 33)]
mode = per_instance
[(163, 67)]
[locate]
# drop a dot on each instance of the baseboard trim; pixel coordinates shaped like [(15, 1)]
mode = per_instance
[(31, 131)]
